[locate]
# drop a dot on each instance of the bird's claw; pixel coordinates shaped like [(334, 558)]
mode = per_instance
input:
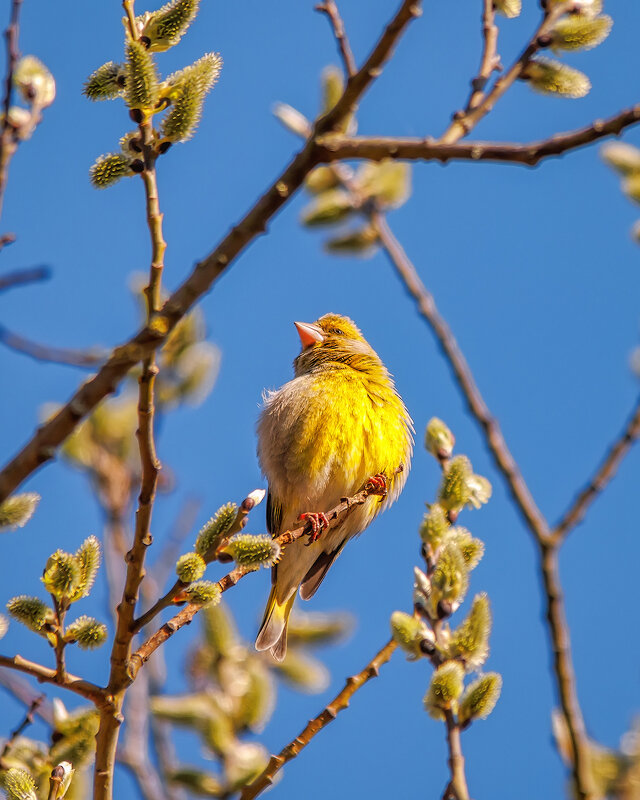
[(377, 484), (317, 523)]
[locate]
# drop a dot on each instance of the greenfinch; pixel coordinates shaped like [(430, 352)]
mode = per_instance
[(320, 437)]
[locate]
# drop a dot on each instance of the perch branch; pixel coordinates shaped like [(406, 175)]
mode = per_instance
[(339, 703)]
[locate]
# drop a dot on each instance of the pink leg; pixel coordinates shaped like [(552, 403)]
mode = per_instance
[(317, 523), (377, 484)]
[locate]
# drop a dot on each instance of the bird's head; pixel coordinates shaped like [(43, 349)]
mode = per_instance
[(334, 339)]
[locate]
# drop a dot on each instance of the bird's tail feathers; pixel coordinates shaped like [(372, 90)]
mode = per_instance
[(273, 631)]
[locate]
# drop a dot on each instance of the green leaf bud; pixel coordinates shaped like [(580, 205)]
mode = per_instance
[(508, 8), (165, 27), (253, 551), (388, 182), (294, 121), (578, 32), (87, 632), (18, 784), (320, 179), (34, 82), (88, 558), (30, 611), (190, 567), (623, 157), (454, 492), (360, 241), (202, 593), (439, 440), (472, 549), (141, 79), (188, 89), (470, 641), (328, 208), (552, 77), (17, 510), (450, 579), (480, 697), (434, 527), (409, 633), (106, 83), (108, 170), (446, 686), (62, 575), (214, 531)]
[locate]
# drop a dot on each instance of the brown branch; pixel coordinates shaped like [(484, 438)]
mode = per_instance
[(22, 276), (186, 615), (43, 444), (465, 121), (329, 8), (8, 141), (337, 148), (28, 719), (601, 478), (457, 787), (74, 684), (490, 59), (314, 726), (54, 355)]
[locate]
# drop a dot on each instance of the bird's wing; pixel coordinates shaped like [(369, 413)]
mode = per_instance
[(319, 568), (274, 515)]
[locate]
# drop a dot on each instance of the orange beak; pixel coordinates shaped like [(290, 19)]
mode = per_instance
[(309, 334)]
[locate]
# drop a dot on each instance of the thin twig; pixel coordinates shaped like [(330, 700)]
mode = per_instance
[(21, 689), (70, 357), (464, 122), (314, 726), (184, 617), (379, 148), (457, 787), (490, 59), (23, 276), (44, 443), (28, 720), (329, 8), (8, 142), (71, 682), (605, 472)]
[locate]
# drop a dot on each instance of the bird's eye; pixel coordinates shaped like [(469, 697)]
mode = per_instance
[(337, 331)]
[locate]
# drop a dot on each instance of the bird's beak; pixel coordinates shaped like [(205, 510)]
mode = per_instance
[(309, 334)]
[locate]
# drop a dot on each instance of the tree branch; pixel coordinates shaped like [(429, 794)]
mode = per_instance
[(45, 675), (28, 719), (339, 703), (329, 8), (54, 355), (21, 276), (605, 472), (8, 141), (44, 443), (490, 60), (337, 148)]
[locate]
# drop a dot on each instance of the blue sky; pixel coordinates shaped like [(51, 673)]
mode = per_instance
[(534, 269)]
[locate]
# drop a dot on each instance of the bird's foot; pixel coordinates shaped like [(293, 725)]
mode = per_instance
[(377, 484), (317, 523)]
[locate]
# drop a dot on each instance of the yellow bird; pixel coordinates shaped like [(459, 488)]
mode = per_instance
[(320, 437)]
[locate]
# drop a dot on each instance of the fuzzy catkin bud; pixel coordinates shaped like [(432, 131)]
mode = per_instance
[(4, 625), (434, 526), (480, 490), (470, 641), (445, 688), (623, 157), (88, 559), (439, 440), (552, 77), (87, 632), (108, 170), (296, 122), (106, 83), (328, 208), (187, 92), (409, 632), (253, 551), (361, 241), (62, 574), (18, 784), (64, 772), (508, 8), (141, 81), (34, 82), (480, 697), (202, 593), (165, 27), (17, 510), (454, 491), (212, 532), (190, 567), (472, 549), (578, 32), (450, 578), (30, 611)]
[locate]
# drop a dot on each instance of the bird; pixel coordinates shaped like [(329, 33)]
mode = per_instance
[(321, 436)]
